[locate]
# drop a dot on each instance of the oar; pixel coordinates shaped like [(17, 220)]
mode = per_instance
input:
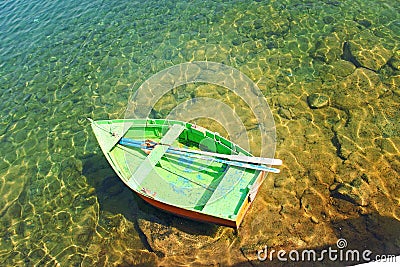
[(228, 162), (241, 158), (185, 154), (189, 155)]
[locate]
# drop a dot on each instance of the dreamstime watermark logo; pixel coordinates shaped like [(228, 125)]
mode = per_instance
[(338, 253)]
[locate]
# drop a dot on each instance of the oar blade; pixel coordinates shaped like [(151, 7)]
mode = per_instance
[(255, 160)]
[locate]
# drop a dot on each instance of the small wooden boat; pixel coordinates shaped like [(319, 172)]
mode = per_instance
[(183, 168)]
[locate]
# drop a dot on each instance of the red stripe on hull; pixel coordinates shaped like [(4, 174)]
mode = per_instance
[(188, 213)]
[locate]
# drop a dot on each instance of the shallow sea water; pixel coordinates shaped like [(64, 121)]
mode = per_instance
[(62, 61)]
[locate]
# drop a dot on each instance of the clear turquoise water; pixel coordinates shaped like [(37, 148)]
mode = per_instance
[(63, 61)]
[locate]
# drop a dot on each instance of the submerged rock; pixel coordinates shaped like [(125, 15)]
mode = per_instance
[(394, 62), (342, 68), (327, 49), (366, 50), (285, 113), (169, 241), (318, 100), (354, 192)]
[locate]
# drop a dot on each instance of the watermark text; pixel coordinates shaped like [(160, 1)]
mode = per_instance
[(338, 253)]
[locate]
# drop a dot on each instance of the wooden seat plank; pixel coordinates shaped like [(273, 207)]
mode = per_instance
[(155, 155)]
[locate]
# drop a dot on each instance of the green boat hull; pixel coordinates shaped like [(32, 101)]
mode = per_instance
[(193, 187)]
